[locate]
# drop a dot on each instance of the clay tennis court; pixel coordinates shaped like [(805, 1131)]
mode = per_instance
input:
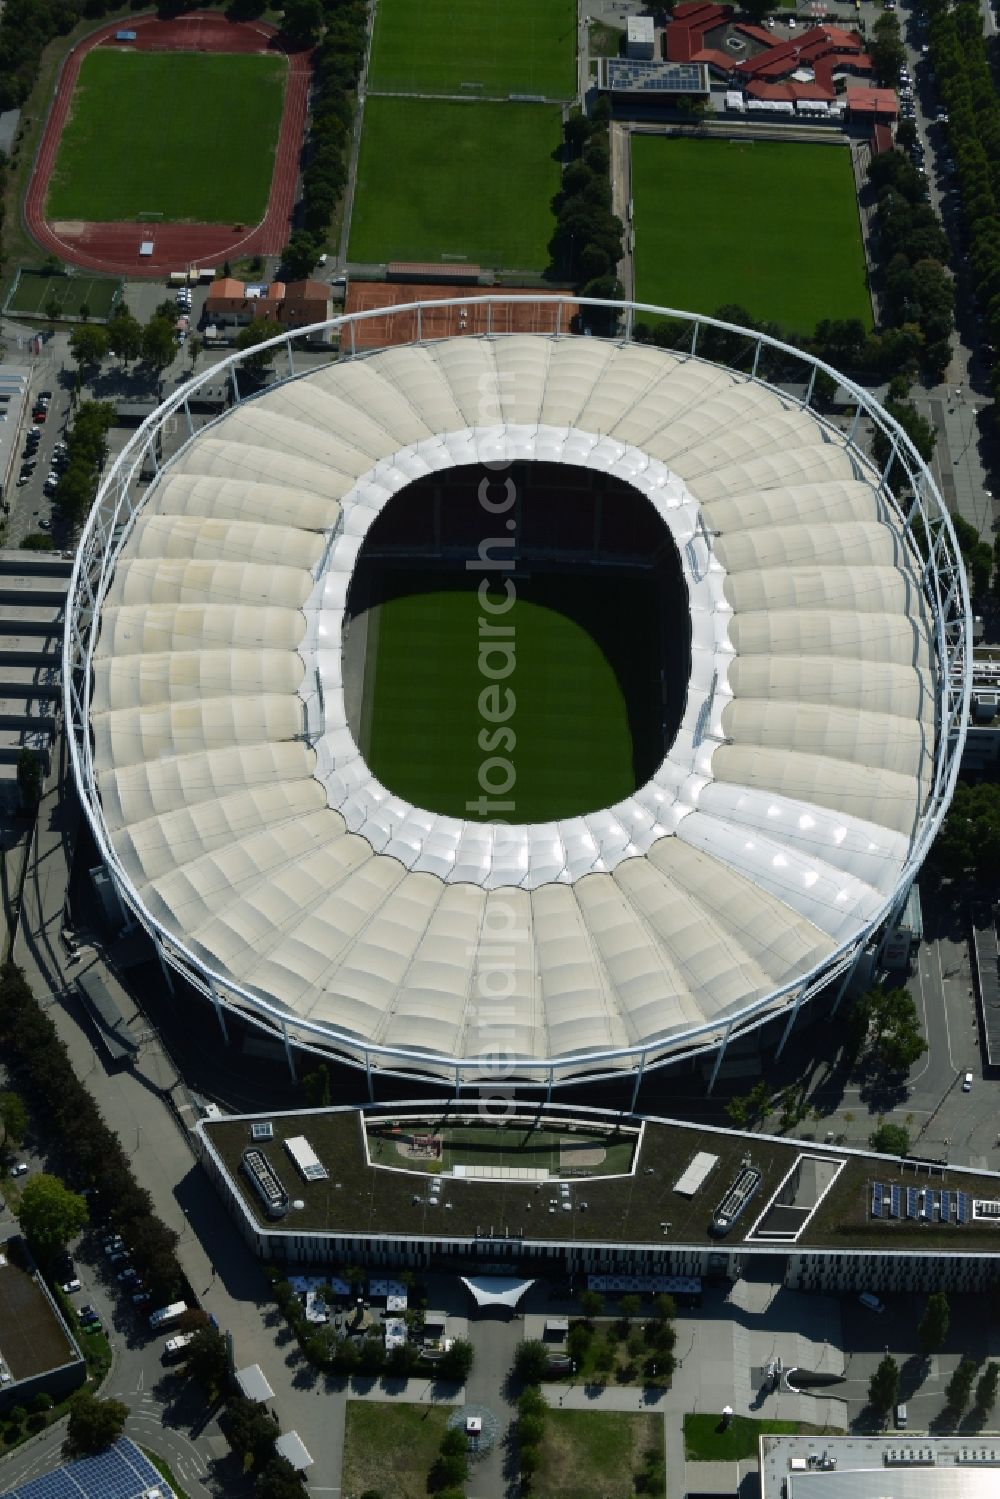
[(447, 322), (114, 248)]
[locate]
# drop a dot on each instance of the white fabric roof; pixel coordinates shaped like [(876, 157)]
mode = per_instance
[(774, 829), (496, 1290)]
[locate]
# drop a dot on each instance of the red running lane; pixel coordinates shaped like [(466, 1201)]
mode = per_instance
[(113, 248)]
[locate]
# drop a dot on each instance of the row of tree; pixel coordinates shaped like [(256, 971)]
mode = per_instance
[(883, 1387), (917, 291), (336, 67), (967, 90), (586, 245), (91, 1153), (87, 450)]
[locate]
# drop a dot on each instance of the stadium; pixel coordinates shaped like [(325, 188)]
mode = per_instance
[(777, 631)]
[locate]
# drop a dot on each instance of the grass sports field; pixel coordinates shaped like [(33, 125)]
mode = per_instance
[(770, 226), (34, 292), (573, 750), (499, 46), (187, 136), (439, 181)]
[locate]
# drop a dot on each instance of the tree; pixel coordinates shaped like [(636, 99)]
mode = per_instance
[(194, 348), (207, 1359), (890, 1139), (316, 1087), (932, 1329), (631, 1307), (302, 21), (986, 1389), (88, 344), (50, 1213), (93, 1424), (959, 1386), (125, 336), (300, 255), (578, 1340), (258, 332), (456, 1364), (13, 1121), (159, 344), (249, 1428), (277, 1479), (531, 1361), (884, 1385), (884, 1030), (591, 1304), (29, 778), (451, 1466)]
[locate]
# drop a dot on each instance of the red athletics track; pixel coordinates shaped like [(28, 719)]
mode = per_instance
[(114, 248)]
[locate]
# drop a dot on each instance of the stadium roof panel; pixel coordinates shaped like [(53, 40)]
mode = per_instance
[(244, 820)]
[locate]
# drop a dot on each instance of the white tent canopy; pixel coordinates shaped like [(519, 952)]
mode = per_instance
[(496, 1290)]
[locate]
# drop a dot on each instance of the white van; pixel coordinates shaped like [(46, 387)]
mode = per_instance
[(167, 1315)]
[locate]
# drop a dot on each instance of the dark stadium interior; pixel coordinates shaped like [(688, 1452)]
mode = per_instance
[(583, 543)]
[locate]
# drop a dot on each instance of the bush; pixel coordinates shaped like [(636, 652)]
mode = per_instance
[(43, 1401)]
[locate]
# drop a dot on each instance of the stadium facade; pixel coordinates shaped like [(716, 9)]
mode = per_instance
[(817, 746)]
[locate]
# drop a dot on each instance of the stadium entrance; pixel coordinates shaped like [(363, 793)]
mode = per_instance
[(518, 643)]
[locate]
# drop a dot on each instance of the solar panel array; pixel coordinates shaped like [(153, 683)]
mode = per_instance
[(123, 1472), (634, 75), (922, 1205)]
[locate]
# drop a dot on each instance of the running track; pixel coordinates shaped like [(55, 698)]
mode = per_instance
[(114, 248)]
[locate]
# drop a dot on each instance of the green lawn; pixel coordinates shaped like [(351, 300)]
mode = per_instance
[(703, 1442), (440, 180), (573, 750), (504, 46), (391, 1448), (595, 1454), (770, 226), (184, 135)]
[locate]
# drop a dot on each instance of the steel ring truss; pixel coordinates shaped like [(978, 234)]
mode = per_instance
[(908, 492)]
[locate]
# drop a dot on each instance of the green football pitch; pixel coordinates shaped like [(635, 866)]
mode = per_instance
[(479, 47), (424, 729), (770, 226), (34, 292), (173, 136), (447, 181)]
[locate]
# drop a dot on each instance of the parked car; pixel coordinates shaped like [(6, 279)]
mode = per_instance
[(117, 1258), (44, 525), (140, 1298), (871, 1302), (128, 1275), (112, 1241), (92, 1327), (967, 1083), (70, 1286), (20, 1168), (87, 1313)]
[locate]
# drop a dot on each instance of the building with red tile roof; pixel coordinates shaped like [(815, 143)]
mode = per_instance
[(685, 35), (872, 104)]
